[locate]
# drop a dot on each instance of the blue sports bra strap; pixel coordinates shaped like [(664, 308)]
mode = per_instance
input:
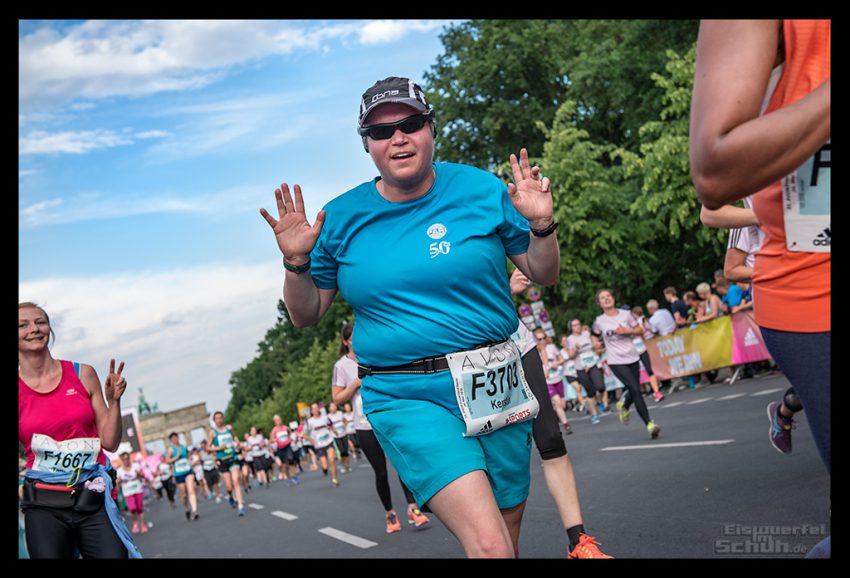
[(76, 367)]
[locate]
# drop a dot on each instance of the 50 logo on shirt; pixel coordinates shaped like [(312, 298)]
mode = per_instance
[(437, 231), (441, 248)]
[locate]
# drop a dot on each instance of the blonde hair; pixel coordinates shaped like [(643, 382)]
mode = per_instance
[(703, 288)]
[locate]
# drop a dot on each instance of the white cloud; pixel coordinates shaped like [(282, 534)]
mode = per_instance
[(152, 134), (80, 142), (93, 206), (26, 173), (385, 31), (181, 333), (98, 59), (243, 124)]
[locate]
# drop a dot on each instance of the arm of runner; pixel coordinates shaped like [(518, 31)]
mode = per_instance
[(735, 266), (735, 152), (742, 306), (210, 439), (518, 282), (728, 217), (341, 394), (305, 302), (532, 198), (107, 418)]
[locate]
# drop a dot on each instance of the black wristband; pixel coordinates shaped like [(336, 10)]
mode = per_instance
[(545, 232), (296, 269)]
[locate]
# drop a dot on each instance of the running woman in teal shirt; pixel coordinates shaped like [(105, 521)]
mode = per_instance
[(419, 252)]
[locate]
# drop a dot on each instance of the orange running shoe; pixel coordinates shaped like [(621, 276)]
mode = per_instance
[(415, 516), (587, 547)]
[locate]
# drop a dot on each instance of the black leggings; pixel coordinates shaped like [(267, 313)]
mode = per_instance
[(55, 533), (647, 364), (545, 427), (592, 380), (630, 376), (378, 460), (170, 488)]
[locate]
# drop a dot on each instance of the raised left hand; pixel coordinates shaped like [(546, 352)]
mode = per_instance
[(114, 385), (531, 195)]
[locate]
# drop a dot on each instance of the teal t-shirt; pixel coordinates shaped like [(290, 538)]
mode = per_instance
[(425, 277)]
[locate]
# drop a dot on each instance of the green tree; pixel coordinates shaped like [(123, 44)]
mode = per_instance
[(667, 195), (497, 78)]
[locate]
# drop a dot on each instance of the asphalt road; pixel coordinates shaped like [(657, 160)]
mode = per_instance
[(705, 500)]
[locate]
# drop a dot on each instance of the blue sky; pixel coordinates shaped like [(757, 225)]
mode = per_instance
[(145, 151)]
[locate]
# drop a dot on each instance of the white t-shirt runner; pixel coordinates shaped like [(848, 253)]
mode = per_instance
[(620, 348), (208, 461), (349, 422), (555, 374), (338, 420), (131, 480), (585, 357), (320, 432), (344, 373), (256, 443), (164, 471)]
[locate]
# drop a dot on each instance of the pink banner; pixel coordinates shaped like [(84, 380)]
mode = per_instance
[(747, 342)]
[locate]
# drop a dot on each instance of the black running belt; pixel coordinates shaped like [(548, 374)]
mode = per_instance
[(425, 365), (421, 366)]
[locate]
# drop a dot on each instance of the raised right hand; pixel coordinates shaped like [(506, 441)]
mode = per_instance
[(295, 236), (518, 282)]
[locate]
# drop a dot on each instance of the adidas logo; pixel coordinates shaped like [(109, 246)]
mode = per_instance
[(750, 338), (488, 427), (824, 239), (70, 391)]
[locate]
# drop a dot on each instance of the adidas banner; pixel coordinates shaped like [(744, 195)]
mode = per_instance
[(723, 342)]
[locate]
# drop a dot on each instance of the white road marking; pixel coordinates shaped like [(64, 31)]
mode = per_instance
[(674, 404), (733, 396), (347, 538), (256, 506), (703, 400), (676, 445), (284, 515), (765, 392)]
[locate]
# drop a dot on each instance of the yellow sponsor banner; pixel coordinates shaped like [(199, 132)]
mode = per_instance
[(689, 351), (303, 409)]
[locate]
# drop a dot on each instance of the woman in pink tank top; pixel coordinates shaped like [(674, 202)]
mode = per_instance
[(64, 423)]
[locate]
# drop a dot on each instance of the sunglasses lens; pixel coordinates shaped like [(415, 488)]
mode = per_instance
[(382, 132), (407, 126)]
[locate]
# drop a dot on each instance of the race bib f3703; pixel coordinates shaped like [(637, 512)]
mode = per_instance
[(490, 388)]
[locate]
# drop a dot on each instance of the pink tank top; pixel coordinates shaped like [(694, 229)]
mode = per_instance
[(63, 413)]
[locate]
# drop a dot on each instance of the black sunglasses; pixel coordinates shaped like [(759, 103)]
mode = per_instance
[(407, 125)]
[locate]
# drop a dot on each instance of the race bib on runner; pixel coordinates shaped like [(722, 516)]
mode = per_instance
[(571, 369), (209, 464), (323, 437), (64, 456), (490, 388), (639, 345), (806, 205), (282, 437), (132, 487), (257, 451), (589, 360), (182, 466)]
